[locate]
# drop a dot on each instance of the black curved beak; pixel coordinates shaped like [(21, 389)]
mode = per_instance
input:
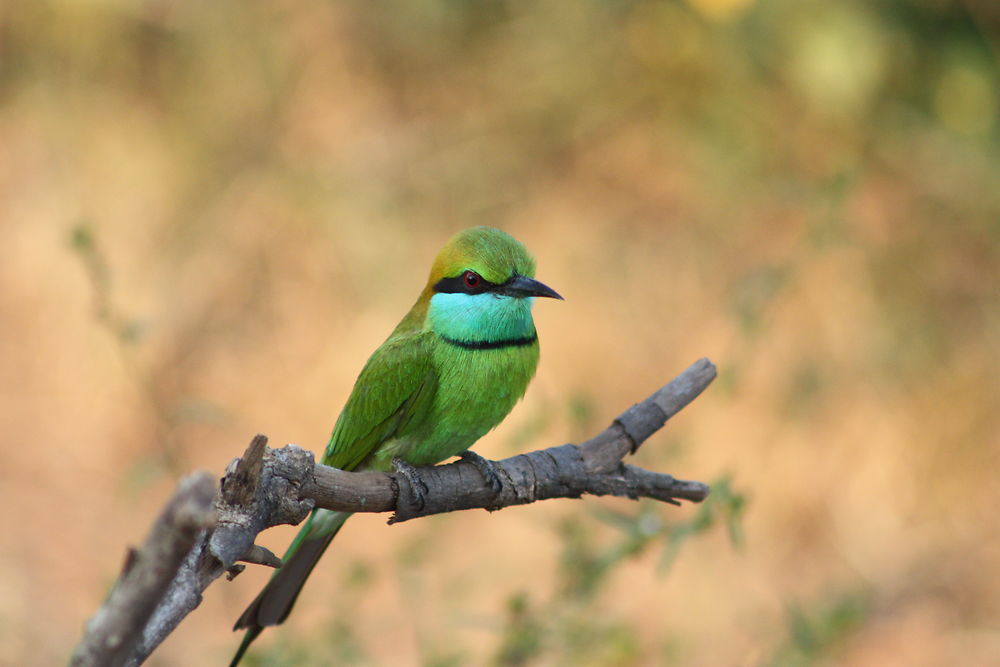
[(523, 286)]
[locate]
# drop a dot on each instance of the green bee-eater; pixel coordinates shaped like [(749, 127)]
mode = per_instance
[(450, 371)]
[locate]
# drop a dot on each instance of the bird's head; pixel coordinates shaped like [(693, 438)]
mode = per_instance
[(485, 260), (481, 287)]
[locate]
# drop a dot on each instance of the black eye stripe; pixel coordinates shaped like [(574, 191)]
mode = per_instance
[(456, 284)]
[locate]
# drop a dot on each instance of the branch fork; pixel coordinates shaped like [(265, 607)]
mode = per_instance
[(203, 533)]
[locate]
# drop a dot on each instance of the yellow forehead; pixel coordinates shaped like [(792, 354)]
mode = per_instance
[(492, 253)]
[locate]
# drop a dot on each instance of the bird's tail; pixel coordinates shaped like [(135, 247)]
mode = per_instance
[(273, 604)]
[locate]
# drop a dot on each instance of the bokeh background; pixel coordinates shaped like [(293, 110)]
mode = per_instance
[(211, 213)]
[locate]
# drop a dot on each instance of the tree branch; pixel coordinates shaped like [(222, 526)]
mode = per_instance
[(191, 545), (112, 633)]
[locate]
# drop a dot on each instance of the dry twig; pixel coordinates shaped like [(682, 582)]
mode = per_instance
[(191, 546)]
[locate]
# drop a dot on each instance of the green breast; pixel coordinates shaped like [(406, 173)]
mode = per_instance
[(476, 389)]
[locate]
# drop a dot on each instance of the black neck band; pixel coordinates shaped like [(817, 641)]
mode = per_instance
[(491, 344)]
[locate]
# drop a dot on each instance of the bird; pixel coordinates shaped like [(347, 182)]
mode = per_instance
[(451, 370)]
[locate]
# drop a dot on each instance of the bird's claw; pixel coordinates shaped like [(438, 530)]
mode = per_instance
[(418, 489), (488, 469)]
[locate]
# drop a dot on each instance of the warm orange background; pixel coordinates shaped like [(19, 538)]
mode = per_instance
[(805, 192)]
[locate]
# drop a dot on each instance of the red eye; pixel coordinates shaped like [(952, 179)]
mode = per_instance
[(471, 279)]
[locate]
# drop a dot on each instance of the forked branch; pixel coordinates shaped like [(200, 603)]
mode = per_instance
[(194, 543)]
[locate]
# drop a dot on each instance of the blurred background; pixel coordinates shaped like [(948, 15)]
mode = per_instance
[(211, 214)]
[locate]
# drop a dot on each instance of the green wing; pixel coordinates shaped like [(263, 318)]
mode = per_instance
[(395, 389), (393, 395)]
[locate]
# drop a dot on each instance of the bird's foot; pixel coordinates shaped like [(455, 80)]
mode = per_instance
[(488, 469), (418, 489)]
